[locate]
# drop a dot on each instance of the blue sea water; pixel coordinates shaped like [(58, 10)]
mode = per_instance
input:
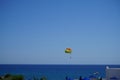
[(54, 72)]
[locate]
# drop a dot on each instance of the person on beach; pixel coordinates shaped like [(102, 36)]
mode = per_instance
[(66, 78), (80, 78), (100, 78)]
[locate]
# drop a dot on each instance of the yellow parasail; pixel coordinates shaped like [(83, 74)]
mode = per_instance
[(68, 50)]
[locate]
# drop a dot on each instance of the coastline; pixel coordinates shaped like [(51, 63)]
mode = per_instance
[(54, 71)]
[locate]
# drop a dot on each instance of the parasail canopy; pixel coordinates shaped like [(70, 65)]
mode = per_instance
[(68, 50)]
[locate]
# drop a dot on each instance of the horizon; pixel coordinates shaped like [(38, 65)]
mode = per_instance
[(61, 64)]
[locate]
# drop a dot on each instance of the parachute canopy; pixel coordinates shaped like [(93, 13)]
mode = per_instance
[(68, 50)]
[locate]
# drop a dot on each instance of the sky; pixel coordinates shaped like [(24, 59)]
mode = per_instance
[(38, 31)]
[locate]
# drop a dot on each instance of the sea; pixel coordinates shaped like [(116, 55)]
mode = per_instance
[(54, 72)]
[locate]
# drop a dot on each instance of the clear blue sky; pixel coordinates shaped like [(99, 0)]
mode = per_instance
[(38, 31)]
